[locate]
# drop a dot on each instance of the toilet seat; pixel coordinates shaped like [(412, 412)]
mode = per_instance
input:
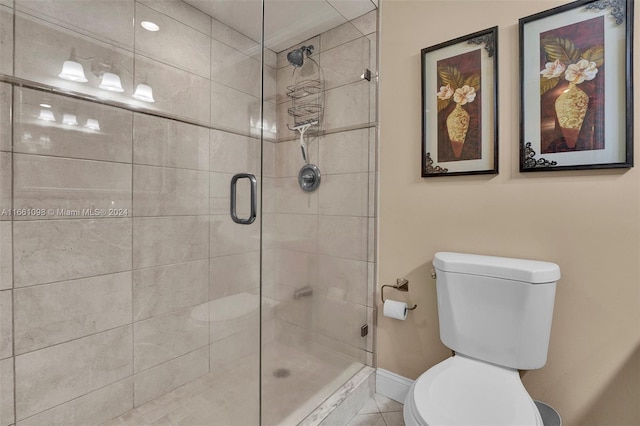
[(463, 391)]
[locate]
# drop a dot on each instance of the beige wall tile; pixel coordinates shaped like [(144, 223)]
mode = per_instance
[(293, 232), (166, 240), (176, 91), (282, 119), (41, 48), (183, 12), (226, 352), (54, 313), (339, 35), (6, 255), (284, 78), (6, 324), (270, 58), (366, 23), (269, 159), (6, 103), (290, 198), (228, 237), (6, 392), (343, 236), (344, 152), (341, 320), (50, 183), (163, 289), (49, 251), (163, 191), (163, 338), (108, 20), (233, 314), (345, 194), (95, 407), (227, 35), (234, 274), (237, 70), (31, 135), (289, 159), (295, 269), (347, 105), (176, 43), (164, 378), (234, 110), (5, 186), (219, 192), (234, 153), (343, 64), (6, 40), (161, 142), (57, 374), (343, 279)]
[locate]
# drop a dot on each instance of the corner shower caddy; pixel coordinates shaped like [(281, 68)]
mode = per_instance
[(307, 96)]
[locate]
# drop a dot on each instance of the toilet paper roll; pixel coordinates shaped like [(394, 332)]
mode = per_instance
[(395, 309)]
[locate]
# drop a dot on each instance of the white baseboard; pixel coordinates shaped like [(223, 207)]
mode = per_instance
[(392, 385)]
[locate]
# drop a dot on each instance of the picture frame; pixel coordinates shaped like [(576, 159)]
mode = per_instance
[(576, 93), (459, 106)]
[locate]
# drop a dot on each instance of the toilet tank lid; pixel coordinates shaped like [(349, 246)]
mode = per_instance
[(529, 271)]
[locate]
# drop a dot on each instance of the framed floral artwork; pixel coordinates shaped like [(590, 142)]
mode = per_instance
[(459, 106), (576, 96)]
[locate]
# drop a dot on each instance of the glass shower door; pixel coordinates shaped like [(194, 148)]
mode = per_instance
[(131, 294), (317, 244)]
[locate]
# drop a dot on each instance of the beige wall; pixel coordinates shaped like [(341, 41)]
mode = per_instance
[(586, 221)]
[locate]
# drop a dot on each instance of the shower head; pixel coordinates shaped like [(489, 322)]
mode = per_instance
[(296, 57)]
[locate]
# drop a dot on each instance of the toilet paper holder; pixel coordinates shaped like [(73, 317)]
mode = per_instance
[(402, 284)]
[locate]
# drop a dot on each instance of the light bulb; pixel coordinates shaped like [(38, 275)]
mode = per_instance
[(46, 115), (92, 124), (149, 26), (144, 92), (73, 71), (69, 119), (111, 82)]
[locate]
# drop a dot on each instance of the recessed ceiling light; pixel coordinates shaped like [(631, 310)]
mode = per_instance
[(149, 26), (45, 105)]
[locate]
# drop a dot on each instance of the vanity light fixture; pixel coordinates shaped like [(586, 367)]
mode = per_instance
[(46, 115), (73, 71), (69, 119), (144, 92), (149, 26), (92, 124), (45, 105), (111, 82)]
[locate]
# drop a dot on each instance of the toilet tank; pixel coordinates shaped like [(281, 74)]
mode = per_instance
[(496, 309)]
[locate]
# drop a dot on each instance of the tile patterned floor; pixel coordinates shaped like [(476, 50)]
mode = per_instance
[(379, 411)]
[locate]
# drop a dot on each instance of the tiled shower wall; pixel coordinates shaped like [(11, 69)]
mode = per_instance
[(325, 239), (101, 314)]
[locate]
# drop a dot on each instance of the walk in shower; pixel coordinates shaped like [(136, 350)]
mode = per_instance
[(159, 262)]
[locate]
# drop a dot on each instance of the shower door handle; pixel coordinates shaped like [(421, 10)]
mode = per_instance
[(234, 181)]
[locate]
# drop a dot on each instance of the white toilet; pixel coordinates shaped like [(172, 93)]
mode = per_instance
[(495, 313)]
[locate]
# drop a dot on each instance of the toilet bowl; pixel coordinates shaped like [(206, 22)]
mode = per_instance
[(495, 313), (467, 392)]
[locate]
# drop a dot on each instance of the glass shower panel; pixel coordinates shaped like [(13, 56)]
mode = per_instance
[(134, 297), (317, 262)]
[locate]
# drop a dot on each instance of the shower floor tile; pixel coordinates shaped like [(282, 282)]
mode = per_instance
[(294, 383)]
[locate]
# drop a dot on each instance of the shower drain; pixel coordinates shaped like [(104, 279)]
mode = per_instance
[(281, 373)]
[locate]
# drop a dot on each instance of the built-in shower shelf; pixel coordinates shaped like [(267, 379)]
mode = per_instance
[(305, 88)]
